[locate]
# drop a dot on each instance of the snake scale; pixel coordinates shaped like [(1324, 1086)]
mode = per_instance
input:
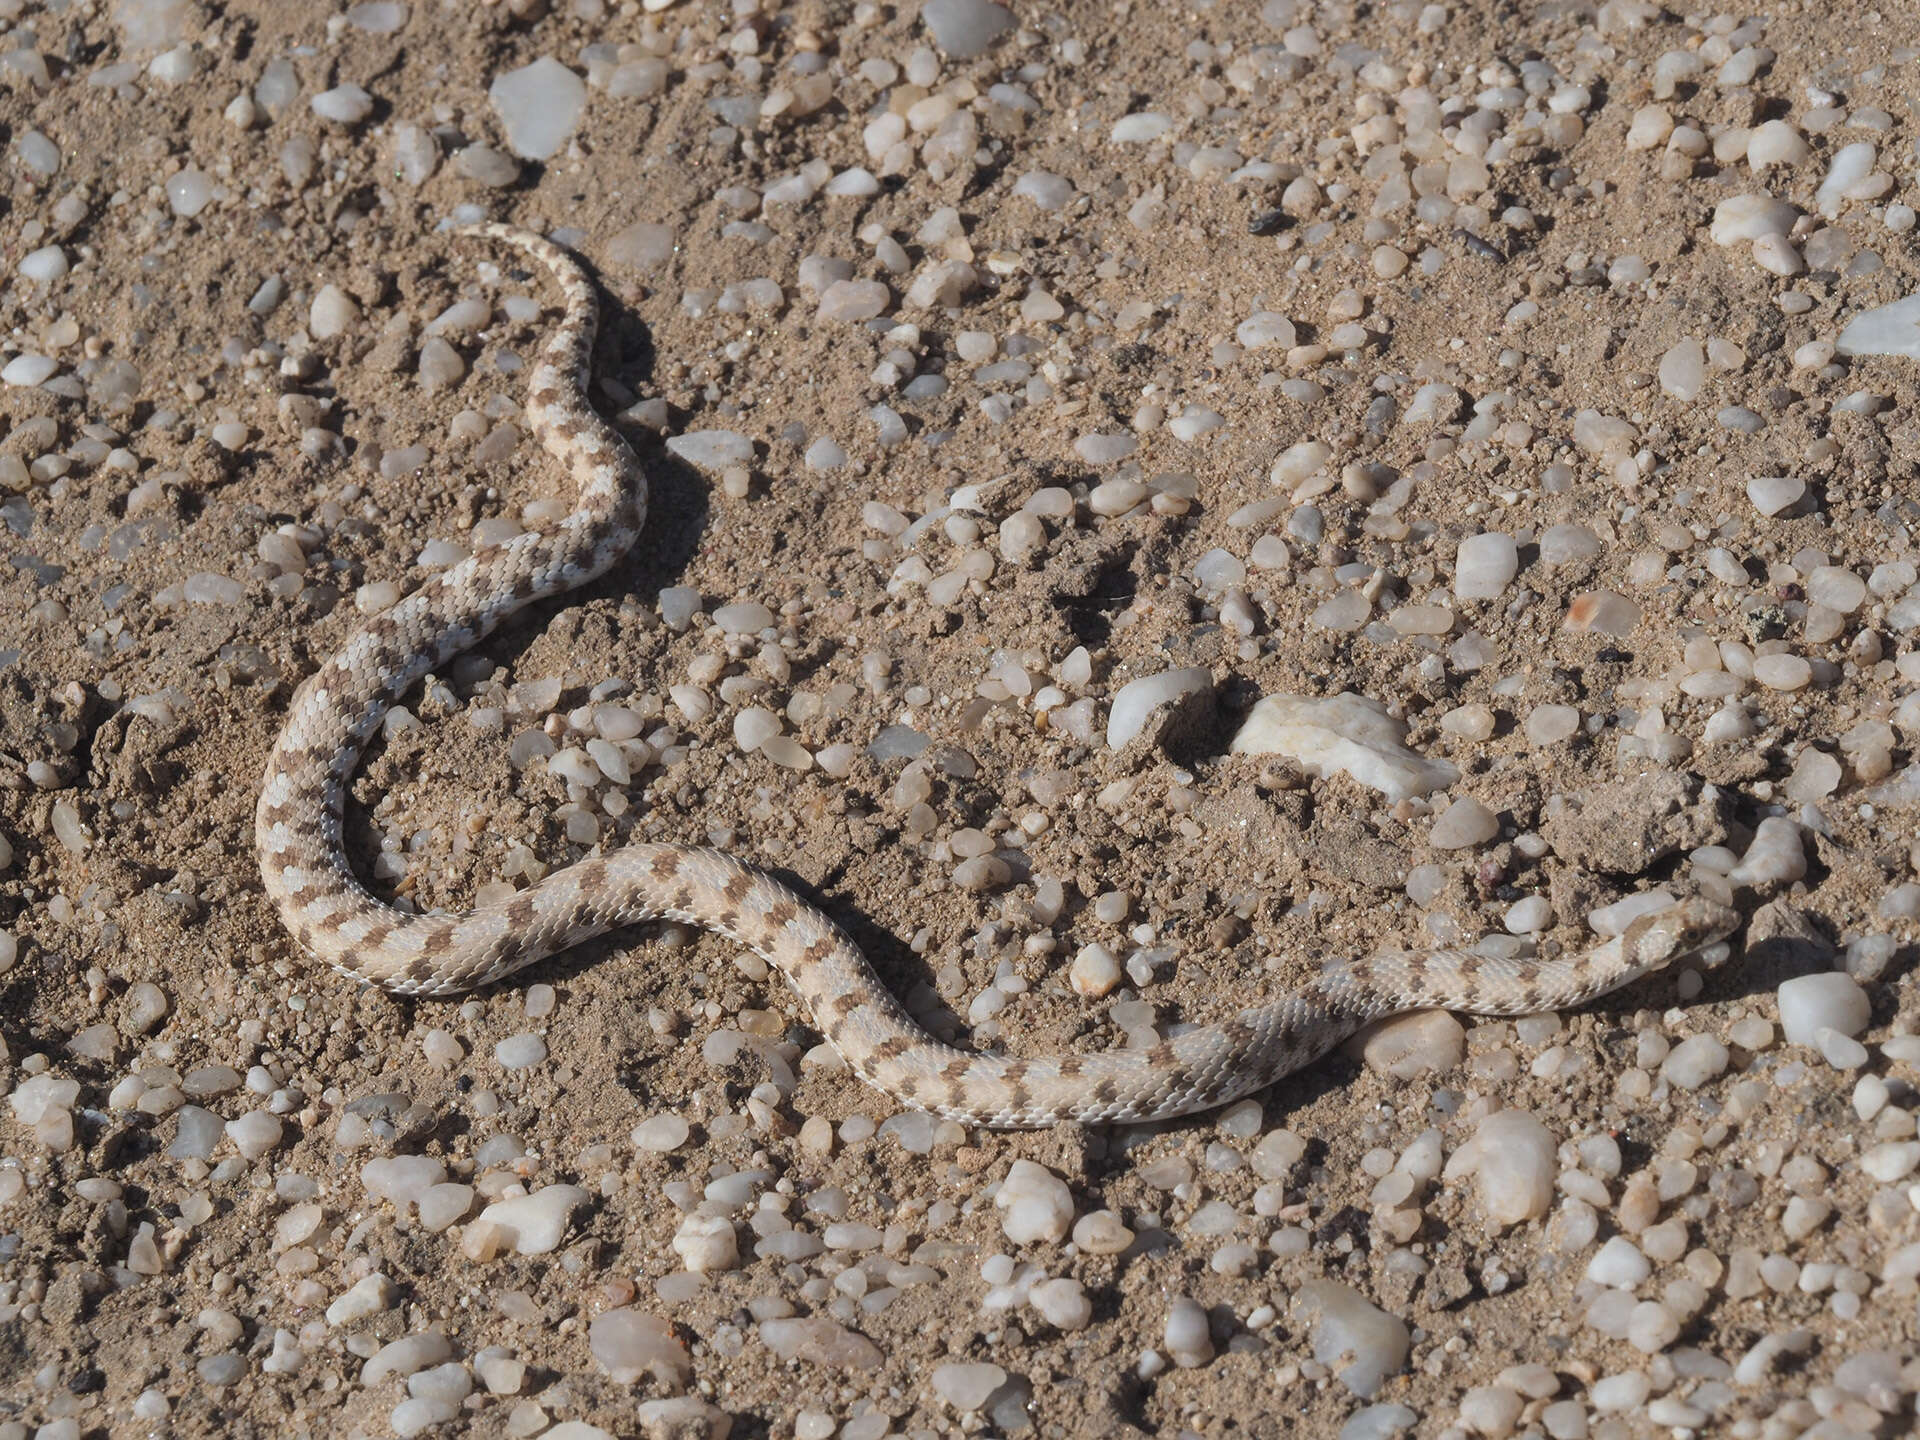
[(304, 865)]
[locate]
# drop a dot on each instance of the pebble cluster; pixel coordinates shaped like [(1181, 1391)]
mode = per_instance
[(1526, 422)]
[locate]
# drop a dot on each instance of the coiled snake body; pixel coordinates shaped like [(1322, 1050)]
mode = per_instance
[(304, 865)]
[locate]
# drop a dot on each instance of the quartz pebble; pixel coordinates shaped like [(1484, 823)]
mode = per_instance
[(1618, 1263), (1363, 1343), (1511, 1158), (1345, 734), (631, 1344), (1138, 699), (332, 313), (661, 1133), (1683, 370), (678, 1417), (343, 105), (1464, 824), (1062, 1303), (526, 1224), (538, 104), (821, 1341), (1775, 857), (368, 1296), (1036, 1206), (405, 1356), (706, 1243), (28, 370), (711, 449), (1408, 1046), (1775, 494), (1186, 1334), (1485, 566), (520, 1052), (1812, 1003), (255, 1133), (967, 1386), (1892, 329), (1745, 218), (965, 28), (1694, 1061)]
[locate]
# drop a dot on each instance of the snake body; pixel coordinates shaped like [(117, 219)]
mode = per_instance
[(304, 865)]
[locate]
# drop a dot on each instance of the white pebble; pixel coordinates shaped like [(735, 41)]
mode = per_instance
[(1139, 129), (44, 265), (1683, 370), (1062, 1303), (26, 371), (331, 313), (370, 1295), (1512, 1158), (401, 1180), (1694, 1061), (1890, 1161), (1363, 1343), (1265, 328), (538, 104), (1618, 1263), (1138, 699), (1776, 856), (967, 1386), (1464, 824), (710, 450), (415, 1416), (706, 1243), (1742, 219), (1842, 1052), (1187, 1337), (1775, 494), (1485, 566), (1529, 916), (1035, 1204), (518, 1052), (1345, 734), (661, 1133), (401, 1358), (188, 192), (526, 1224), (255, 1133), (965, 29), (1892, 329), (343, 105), (1830, 1000), (1775, 142)]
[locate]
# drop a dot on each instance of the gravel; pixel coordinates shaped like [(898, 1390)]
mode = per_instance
[(1450, 552)]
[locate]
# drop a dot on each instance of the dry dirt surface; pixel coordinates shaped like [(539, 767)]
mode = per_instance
[(1497, 364)]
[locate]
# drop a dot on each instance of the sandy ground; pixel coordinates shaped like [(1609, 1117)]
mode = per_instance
[(155, 618)]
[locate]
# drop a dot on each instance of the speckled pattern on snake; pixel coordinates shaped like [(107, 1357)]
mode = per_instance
[(304, 864)]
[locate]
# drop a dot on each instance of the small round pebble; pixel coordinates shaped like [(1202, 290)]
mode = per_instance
[(1187, 1336), (518, 1052), (1775, 494), (1464, 824), (1695, 1061), (967, 1386)]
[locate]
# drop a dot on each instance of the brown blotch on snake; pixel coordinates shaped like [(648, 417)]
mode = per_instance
[(304, 867)]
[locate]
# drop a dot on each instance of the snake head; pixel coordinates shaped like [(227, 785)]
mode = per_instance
[(1679, 930)]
